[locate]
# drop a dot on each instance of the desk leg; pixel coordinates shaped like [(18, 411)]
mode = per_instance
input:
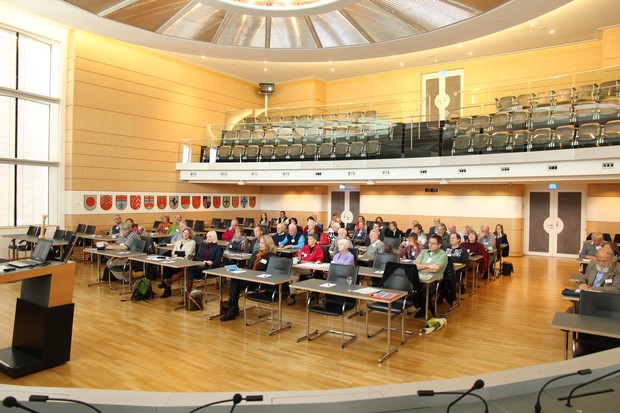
[(99, 273), (183, 291), (219, 310), (474, 283), (282, 324), (309, 336), (426, 304), (390, 350)]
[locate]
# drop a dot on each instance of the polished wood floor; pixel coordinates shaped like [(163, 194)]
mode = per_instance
[(149, 346)]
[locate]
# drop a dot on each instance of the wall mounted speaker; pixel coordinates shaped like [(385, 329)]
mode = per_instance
[(266, 88)]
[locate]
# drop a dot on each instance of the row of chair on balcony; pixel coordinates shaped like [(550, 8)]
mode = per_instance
[(277, 136), (563, 137), (590, 93), (307, 121), (602, 112), (298, 151)]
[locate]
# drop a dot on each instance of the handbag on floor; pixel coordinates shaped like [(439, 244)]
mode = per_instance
[(507, 268)]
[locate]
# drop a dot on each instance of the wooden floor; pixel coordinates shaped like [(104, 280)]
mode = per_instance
[(149, 346)]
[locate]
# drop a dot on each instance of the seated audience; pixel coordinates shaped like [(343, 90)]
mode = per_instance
[(409, 249), (264, 219), (465, 234), (382, 226), (311, 252), (311, 228), (614, 249), (431, 261), (332, 232), (473, 247), (239, 242), (162, 228), (319, 226), (360, 234), (432, 230), (451, 228), (501, 240), (361, 223), (183, 248), (336, 218), (442, 231), (410, 230), (343, 256), (230, 231), (422, 238), (280, 234), (376, 245), (179, 234), (341, 234), (293, 220), (135, 227), (174, 227), (258, 262), (392, 231), (588, 251), (254, 245), (117, 225), (282, 219), (294, 239), (210, 253), (126, 237), (487, 239), (458, 254), (602, 273)]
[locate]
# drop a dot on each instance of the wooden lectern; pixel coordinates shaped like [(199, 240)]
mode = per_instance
[(43, 319)]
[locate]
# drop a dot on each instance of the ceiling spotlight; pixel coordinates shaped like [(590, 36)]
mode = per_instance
[(551, 31)]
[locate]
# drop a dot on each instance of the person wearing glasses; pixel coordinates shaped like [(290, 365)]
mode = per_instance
[(432, 261)]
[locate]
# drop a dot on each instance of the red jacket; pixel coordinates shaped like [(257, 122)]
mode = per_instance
[(315, 255), (228, 235)]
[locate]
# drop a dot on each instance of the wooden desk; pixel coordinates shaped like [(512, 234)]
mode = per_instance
[(237, 256), (313, 285), (258, 277), (112, 254), (43, 323), (32, 239), (473, 263), (578, 323)]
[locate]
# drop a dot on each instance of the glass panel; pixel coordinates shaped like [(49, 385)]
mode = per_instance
[(7, 177), (33, 130), (32, 194), (7, 127), (34, 72), (7, 58)]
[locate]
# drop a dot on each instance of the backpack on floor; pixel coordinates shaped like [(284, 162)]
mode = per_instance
[(507, 268), (142, 290)]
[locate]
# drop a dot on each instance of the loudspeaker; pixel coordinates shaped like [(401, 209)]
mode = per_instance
[(266, 88)]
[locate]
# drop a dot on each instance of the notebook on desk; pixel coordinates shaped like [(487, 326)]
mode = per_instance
[(39, 255)]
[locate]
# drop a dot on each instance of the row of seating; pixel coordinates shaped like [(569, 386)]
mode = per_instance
[(590, 93), (307, 121), (275, 136), (563, 137), (601, 112), (300, 151)]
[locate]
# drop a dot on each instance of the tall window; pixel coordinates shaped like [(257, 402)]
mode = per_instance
[(28, 124)]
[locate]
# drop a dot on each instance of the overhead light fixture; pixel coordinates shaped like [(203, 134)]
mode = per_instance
[(370, 182), (266, 88), (241, 182)]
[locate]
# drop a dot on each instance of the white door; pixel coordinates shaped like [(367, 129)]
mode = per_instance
[(443, 89), (555, 221)]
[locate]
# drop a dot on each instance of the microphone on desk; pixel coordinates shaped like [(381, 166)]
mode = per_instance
[(237, 398), (586, 383), (537, 406), (477, 385), (43, 398), (11, 401)]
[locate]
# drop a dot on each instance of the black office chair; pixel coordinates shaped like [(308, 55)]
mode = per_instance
[(394, 242), (401, 277), (617, 238), (215, 222), (606, 236), (199, 225), (189, 223), (249, 222), (335, 306), (597, 304), (356, 252), (268, 294), (379, 264), (24, 246), (156, 224), (68, 249), (226, 223)]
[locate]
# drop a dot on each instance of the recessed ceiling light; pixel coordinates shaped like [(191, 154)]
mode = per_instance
[(265, 69), (533, 24), (551, 31), (264, 61), (332, 69), (402, 64), (330, 62), (459, 45), (471, 53), (203, 56)]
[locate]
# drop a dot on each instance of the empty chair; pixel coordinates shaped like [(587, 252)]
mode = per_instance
[(540, 117), (369, 116), (608, 110), (340, 134), (229, 137), (540, 139), (313, 135), (500, 121), (586, 94), (596, 304), (526, 100), (373, 149), (80, 229), (23, 246), (500, 142), (190, 223), (461, 145), (199, 225), (224, 153), (263, 122), (284, 135), (588, 135), (505, 103), (267, 152), (325, 151), (609, 89), (356, 116), (585, 112), (330, 120), (215, 222), (356, 149), (249, 123), (400, 277), (383, 258), (309, 151), (545, 98), (519, 141), (335, 306), (271, 136), (281, 151), (252, 152), (238, 152), (295, 151), (482, 124), (564, 96), (268, 294), (464, 125), (317, 121), (561, 115), (611, 133), (480, 143), (258, 135), (520, 119), (303, 121), (355, 133), (244, 137), (343, 119), (563, 137), (341, 150), (289, 121)]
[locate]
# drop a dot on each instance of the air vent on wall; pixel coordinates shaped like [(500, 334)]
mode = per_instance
[(505, 169), (423, 171), (552, 167), (462, 170), (608, 165)]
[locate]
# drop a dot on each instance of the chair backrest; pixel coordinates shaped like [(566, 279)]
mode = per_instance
[(138, 245), (356, 252), (156, 224), (248, 222), (190, 223), (338, 273), (402, 277), (214, 222), (68, 235), (32, 230), (327, 258), (279, 266), (90, 229), (382, 258), (394, 242), (198, 239), (199, 225), (226, 223), (59, 234), (68, 250), (598, 304)]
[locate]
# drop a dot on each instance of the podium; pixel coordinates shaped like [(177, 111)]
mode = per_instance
[(43, 319)]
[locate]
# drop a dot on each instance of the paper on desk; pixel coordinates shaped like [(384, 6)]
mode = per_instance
[(263, 275), (327, 285), (367, 290), (379, 272), (236, 271)]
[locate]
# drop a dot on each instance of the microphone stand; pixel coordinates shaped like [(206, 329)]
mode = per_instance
[(42, 398), (237, 398), (478, 384), (11, 401), (589, 382), (537, 406), (423, 393)]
